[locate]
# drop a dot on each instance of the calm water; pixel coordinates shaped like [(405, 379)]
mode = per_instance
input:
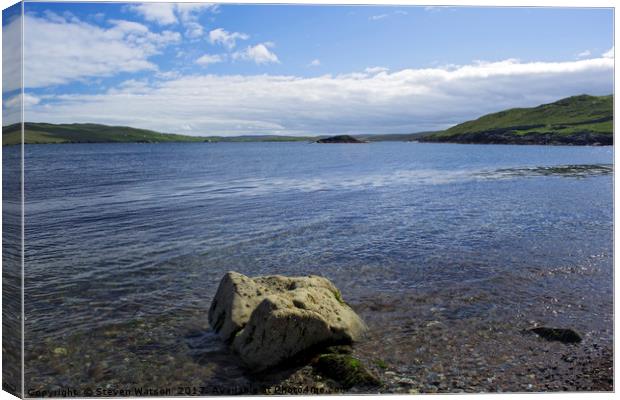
[(119, 233)]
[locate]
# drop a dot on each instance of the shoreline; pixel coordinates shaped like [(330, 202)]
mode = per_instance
[(310, 142), (414, 345)]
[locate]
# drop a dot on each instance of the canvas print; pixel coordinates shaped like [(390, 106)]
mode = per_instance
[(206, 199)]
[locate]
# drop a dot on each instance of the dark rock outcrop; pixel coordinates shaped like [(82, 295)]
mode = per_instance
[(340, 139)]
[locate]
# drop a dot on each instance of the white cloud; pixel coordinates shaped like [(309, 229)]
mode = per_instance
[(402, 101), (193, 30), (609, 53), (190, 11), (127, 26), (383, 16), (376, 70), (168, 75), (66, 16), (225, 38), (12, 107), (30, 100), (135, 86), (174, 13), (259, 53), (585, 53), (188, 15), (162, 13), (315, 63), (378, 17), (59, 51), (207, 59)]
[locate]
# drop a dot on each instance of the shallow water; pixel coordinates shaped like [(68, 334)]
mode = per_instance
[(126, 243)]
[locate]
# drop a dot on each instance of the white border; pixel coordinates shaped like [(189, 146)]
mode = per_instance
[(455, 3)]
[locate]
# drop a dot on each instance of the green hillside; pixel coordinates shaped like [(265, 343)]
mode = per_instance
[(42, 133), (579, 120), (86, 133)]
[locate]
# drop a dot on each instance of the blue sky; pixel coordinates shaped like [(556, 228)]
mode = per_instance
[(241, 69)]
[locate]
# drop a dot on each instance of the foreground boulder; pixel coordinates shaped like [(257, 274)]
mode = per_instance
[(270, 319)]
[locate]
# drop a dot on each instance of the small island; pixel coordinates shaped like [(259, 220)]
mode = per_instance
[(340, 139)]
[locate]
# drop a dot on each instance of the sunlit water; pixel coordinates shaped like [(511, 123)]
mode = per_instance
[(125, 234)]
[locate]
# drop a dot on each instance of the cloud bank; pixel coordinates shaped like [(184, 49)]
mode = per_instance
[(373, 101), (60, 50)]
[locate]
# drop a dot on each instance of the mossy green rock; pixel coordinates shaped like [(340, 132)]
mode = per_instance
[(346, 370), (60, 351)]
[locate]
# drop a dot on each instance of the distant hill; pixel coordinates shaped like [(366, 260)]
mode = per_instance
[(578, 120), (42, 133), (86, 133)]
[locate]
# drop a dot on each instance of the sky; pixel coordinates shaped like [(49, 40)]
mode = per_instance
[(209, 69)]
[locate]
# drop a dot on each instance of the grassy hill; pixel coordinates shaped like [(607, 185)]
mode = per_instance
[(86, 133), (579, 120), (42, 133)]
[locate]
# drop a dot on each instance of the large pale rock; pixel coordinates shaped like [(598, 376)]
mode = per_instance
[(270, 319), (236, 298)]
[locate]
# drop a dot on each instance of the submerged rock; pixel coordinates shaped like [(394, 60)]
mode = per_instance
[(557, 334), (270, 319)]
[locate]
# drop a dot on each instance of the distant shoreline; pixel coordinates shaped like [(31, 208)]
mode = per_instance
[(44, 133), (574, 121), (310, 142)]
